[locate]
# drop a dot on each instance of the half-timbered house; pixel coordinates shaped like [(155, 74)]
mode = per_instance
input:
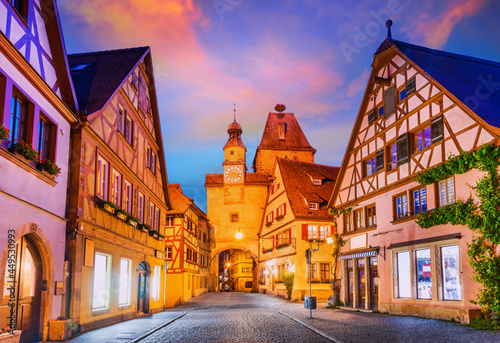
[(296, 219), (37, 110), (187, 249), (118, 195), (420, 107)]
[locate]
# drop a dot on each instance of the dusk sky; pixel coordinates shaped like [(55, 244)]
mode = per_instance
[(314, 56)]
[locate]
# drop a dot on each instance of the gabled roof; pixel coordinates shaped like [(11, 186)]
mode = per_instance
[(294, 137), (181, 203), (299, 186), (461, 75), (105, 72)]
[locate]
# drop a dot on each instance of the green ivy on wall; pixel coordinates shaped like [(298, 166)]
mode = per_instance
[(482, 218)]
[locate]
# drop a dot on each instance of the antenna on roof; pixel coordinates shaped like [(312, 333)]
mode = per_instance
[(234, 112), (388, 23)]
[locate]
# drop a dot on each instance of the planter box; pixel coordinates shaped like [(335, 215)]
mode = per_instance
[(132, 222), (142, 228), (160, 238), (266, 251), (13, 337), (121, 216), (61, 330)]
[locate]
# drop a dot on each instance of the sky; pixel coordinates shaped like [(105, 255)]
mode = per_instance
[(314, 56)]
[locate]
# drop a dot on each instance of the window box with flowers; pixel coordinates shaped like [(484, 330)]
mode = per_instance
[(48, 168), (24, 151), (265, 251), (133, 221), (268, 224), (161, 237), (315, 281), (280, 217), (106, 205), (122, 215), (144, 227), (325, 280), (283, 245), (278, 281), (153, 233), (4, 133)]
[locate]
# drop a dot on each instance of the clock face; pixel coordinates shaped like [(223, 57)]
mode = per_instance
[(233, 174)]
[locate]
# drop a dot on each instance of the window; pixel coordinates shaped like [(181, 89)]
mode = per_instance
[(347, 222), (281, 210), (450, 268), (313, 206), (18, 119), (315, 232), (168, 253), (121, 115), (275, 187), (402, 149), (156, 283), (269, 218), (129, 129), (102, 267), (21, 7), (127, 189), (423, 277), (422, 138), (125, 282), (312, 232), (410, 87), (151, 160), (381, 111), (401, 205), (44, 139), (370, 166), (314, 271), (402, 94), (324, 232), (102, 178), (358, 219), (284, 237), (371, 117), (393, 157), (140, 208), (169, 221), (419, 200), (446, 191), (204, 237), (437, 129), (317, 182), (157, 224), (403, 275), (152, 211), (325, 271), (116, 189), (371, 216), (234, 217), (390, 101)]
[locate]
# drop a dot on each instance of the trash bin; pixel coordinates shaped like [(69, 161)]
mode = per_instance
[(310, 302)]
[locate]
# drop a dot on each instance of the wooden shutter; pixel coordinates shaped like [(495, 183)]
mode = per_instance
[(390, 101), (402, 148), (290, 235), (410, 87), (379, 160), (437, 129), (304, 232), (284, 208), (371, 117)]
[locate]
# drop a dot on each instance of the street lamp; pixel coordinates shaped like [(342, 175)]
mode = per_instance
[(239, 235)]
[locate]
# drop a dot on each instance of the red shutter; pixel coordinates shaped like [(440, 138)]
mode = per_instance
[(272, 237), (304, 232), (332, 230), (272, 189), (284, 208), (277, 214), (272, 216), (277, 240), (290, 235)]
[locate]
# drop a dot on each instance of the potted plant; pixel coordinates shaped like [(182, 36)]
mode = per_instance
[(144, 227), (133, 221), (24, 150), (48, 167), (4, 132), (122, 215)]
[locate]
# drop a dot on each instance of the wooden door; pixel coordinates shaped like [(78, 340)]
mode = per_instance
[(28, 290)]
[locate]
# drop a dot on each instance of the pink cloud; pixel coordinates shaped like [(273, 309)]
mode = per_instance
[(433, 31)]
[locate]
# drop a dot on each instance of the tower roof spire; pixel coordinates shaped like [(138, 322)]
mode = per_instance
[(234, 112), (388, 23)]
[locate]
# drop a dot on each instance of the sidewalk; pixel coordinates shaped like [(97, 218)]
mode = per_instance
[(127, 331)]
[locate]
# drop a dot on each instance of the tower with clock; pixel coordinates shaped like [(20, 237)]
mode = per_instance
[(234, 156)]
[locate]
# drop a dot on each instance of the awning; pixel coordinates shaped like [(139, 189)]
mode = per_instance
[(358, 255)]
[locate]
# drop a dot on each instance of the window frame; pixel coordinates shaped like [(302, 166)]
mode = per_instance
[(448, 201), (412, 197), (313, 206), (395, 198), (46, 127), (141, 203), (348, 225), (107, 282), (373, 217), (156, 283), (128, 196), (15, 118), (358, 224), (129, 283), (116, 188), (102, 178), (168, 252)]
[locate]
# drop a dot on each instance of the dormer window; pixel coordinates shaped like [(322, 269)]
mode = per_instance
[(313, 206), (282, 131), (317, 182)]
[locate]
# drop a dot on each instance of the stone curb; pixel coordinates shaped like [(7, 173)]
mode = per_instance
[(309, 327), (153, 330)]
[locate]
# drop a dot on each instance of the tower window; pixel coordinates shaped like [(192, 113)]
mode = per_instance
[(232, 152)]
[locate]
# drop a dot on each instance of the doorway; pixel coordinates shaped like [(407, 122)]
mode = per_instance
[(350, 283), (142, 289), (362, 283), (29, 289), (374, 279)]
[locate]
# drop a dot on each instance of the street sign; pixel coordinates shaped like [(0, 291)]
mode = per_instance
[(310, 303), (308, 255)]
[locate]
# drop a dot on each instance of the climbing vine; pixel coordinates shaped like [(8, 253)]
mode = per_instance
[(483, 218), (337, 243)]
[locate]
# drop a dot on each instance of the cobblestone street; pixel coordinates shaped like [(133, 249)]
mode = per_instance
[(244, 317)]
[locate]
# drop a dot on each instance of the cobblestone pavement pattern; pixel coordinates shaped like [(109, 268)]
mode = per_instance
[(244, 317)]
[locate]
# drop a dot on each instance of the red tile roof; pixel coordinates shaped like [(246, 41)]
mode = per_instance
[(180, 202), (294, 137), (299, 186)]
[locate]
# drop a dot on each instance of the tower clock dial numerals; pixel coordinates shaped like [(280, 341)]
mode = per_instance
[(233, 174)]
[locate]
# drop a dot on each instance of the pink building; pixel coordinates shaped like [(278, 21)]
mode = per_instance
[(420, 106), (37, 105)]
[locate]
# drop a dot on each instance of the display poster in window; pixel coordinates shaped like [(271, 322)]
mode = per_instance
[(359, 241)]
